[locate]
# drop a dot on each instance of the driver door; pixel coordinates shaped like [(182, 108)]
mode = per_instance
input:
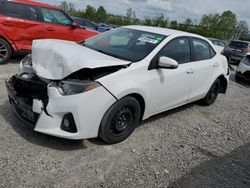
[(59, 26), (171, 87)]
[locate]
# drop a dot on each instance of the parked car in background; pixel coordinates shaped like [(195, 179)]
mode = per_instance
[(243, 70), (84, 23), (102, 27), (22, 21), (114, 80), (227, 50), (239, 50)]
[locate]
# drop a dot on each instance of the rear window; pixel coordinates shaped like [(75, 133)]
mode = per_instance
[(238, 44), (1, 7), (21, 11)]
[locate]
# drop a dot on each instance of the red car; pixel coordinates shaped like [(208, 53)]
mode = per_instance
[(22, 21)]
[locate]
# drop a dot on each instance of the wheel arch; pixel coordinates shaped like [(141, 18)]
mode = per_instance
[(141, 101), (11, 45), (223, 83)]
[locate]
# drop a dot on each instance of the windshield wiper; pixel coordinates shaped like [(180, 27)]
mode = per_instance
[(103, 52)]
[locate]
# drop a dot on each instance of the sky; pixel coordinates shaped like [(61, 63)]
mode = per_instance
[(178, 10)]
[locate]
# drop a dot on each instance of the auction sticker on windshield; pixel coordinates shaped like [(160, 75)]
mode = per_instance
[(150, 39)]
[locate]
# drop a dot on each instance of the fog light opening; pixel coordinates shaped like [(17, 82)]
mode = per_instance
[(68, 123)]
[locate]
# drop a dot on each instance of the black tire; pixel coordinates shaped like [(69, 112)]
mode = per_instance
[(120, 120), (5, 51), (238, 78), (212, 94)]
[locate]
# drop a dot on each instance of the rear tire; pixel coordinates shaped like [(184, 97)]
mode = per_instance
[(212, 94), (5, 51), (120, 120)]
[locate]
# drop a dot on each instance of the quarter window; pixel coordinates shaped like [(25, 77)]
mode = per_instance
[(177, 49), (55, 17), (201, 50), (17, 10)]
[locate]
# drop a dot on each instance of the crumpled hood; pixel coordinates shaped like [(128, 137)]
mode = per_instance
[(57, 59)]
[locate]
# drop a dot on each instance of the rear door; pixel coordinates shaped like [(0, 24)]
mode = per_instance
[(22, 24), (206, 65), (58, 25)]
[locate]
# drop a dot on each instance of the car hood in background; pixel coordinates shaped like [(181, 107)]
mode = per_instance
[(57, 59)]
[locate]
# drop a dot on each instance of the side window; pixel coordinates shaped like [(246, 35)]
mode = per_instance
[(17, 10), (2, 4), (55, 17), (177, 49), (201, 49), (212, 52)]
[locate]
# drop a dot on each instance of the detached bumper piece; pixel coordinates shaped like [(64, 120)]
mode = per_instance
[(22, 92)]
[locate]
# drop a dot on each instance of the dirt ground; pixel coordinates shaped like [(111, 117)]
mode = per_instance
[(191, 146)]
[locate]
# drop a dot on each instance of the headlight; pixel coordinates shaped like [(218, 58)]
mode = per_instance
[(76, 87), (26, 65), (27, 60)]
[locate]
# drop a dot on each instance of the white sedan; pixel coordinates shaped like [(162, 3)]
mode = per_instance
[(104, 86)]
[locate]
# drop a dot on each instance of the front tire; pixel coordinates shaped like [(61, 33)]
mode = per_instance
[(5, 51), (212, 94), (120, 120)]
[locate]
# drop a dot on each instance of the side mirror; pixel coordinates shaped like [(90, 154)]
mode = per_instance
[(167, 63), (74, 25)]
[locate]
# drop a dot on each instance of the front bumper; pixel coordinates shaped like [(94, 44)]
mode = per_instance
[(243, 71), (87, 110)]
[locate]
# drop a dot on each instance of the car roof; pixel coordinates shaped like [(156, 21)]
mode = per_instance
[(30, 2), (163, 31)]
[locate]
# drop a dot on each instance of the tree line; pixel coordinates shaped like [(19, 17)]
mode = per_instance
[(223, 26)]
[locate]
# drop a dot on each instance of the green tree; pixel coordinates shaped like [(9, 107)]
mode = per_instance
[(129, 14), (148, 22), (64, 6), (241, 30), (161, 21), (101, 14), (90, 13), (218, 26), (173, 24)]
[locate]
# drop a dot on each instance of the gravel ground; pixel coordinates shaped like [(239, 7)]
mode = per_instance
[(192, 146)]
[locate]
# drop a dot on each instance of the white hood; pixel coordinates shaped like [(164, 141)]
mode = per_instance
[(57, 59)]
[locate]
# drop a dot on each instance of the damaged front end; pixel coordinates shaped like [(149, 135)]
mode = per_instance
[(28, 97), (29, 94)]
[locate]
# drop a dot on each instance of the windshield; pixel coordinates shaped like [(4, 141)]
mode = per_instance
[(127, 44)]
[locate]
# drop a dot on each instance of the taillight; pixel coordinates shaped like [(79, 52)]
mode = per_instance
[(246, 50)]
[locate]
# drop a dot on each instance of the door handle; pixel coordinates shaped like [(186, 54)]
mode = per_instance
[(190, 71), (50, 29), (216, 65)]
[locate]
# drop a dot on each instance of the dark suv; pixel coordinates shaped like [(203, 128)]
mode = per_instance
[(239, 50), (22, 21)]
